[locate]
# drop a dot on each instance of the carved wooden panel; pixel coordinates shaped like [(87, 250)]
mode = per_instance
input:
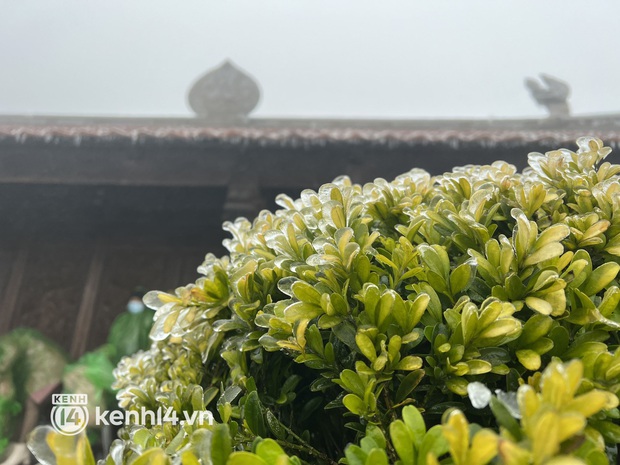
[(125, 268), (51, 289)]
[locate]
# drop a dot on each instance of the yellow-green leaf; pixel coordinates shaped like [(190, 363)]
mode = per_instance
[(478, 367), (546, 252), (483, 448), (409, 363), (545, 437), (155, 456), (539, 305), (529, 359), (511, 454), (245, 458), (600, 278), (366, 346), (354, 404), (592, 402)]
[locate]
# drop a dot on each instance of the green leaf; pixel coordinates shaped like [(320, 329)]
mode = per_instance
[(592, 402), (270, 451), (460, 278), (408, 384), (504, 418), (377, 457), (495, 355), (155, 456), (230, 394), (306, 293), (523, 234), (355, 455), (457, 385), (290, 384), (456, 432), (535, 328), (409, 363), (545, 437), (209, 394), (275, 426), (352, 382), (555, 233), (345, 331), (403, 442), (512, 454), (529, 359), (366, 347), (414, 421), (541, 306), (560, 337), (374, 438), (245, 458), (609, 430), (302, 311), (188, 458), (503, 327), (221, 446), (433, 442), (417, 309), (354, 404), (600, 278), (437, 259), (253, 414), (478, 367), (610, 302), (483, 447)]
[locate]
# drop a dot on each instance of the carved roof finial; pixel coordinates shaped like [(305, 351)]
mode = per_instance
[(224, 94), (553, 95)]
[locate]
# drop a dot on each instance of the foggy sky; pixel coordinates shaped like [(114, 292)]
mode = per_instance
[(338, 58)]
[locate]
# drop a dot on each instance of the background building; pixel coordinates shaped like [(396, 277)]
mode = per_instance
[(92, 207)]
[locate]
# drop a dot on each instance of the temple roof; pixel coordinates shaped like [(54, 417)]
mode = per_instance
[(224, 97), (284, 132)]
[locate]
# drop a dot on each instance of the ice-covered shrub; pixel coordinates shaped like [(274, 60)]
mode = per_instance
[(466, 318)]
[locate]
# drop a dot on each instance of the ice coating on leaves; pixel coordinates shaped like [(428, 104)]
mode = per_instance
[(479, 395), (152, 301), (509, 399), (285, 285), (347, 304)]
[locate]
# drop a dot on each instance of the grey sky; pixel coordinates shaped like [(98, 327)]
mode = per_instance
[(359, 58)]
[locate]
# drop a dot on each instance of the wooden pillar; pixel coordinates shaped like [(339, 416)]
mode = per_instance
[(243, 197), (87, 303), (8, 303)]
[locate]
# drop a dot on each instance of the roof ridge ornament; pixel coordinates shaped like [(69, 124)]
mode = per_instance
[(225, 94), (553, 94)]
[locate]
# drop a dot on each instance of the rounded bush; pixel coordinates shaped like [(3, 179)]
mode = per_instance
[(466, 318)]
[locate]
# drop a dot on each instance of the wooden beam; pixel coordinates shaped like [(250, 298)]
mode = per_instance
[(87, 304), (116, 164), (11, 293)]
